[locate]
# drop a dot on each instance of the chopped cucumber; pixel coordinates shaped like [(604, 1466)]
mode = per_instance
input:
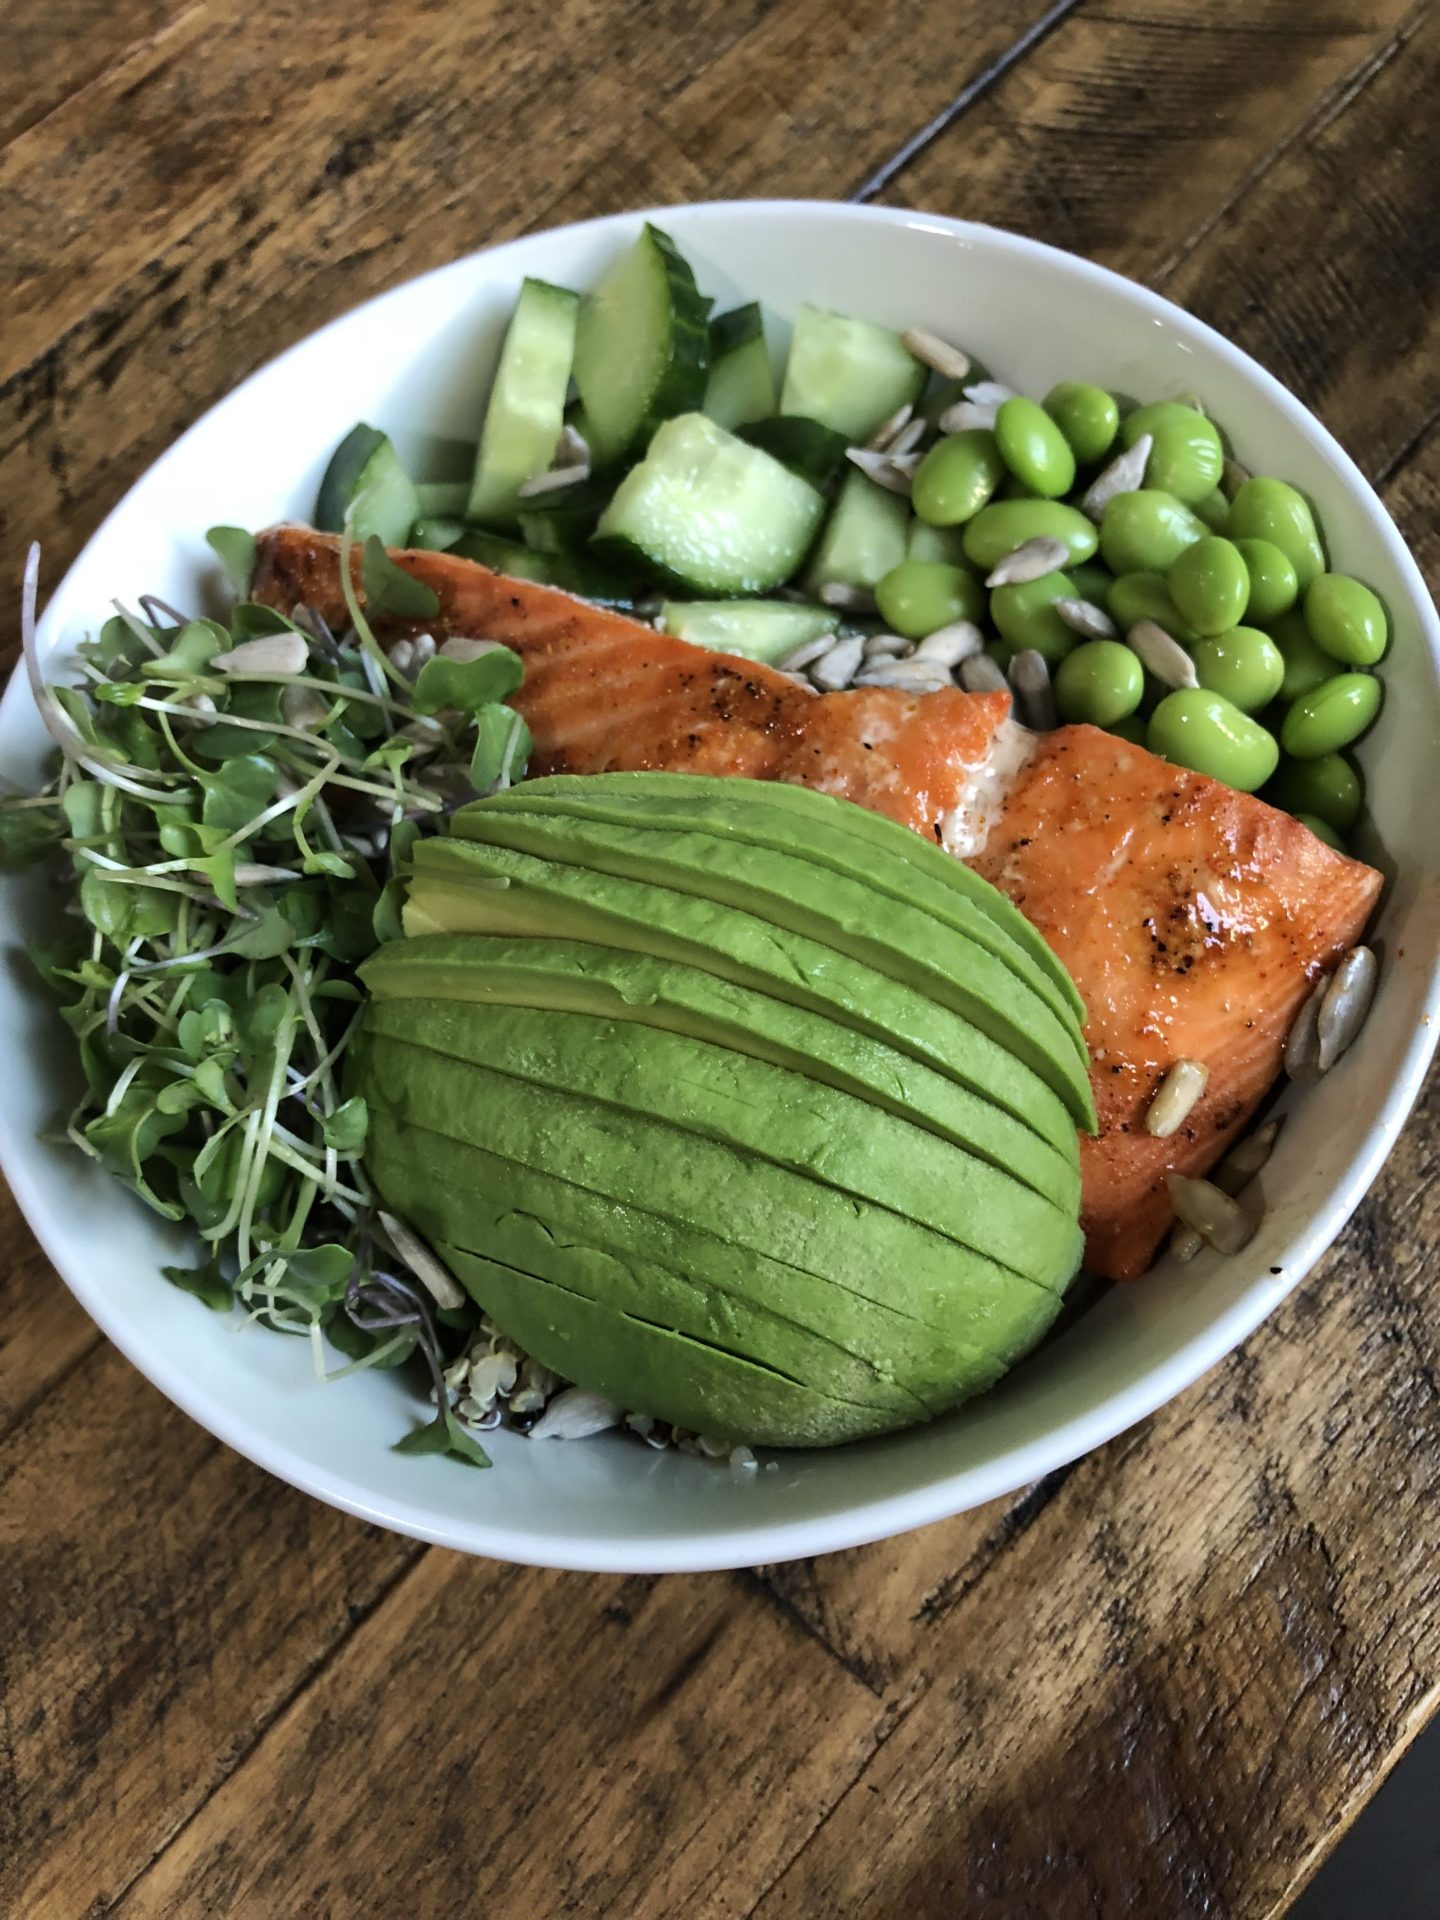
[(757, 629), (443, 499), (581, 574), (711, 513), (366, 481), (863, 538), (807, 448), (527, 402), (946, 544), (642, 350), (848, 374), (436, 532), (563, 521), (742, 381)]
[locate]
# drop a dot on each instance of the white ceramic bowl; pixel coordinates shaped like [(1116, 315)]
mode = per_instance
[(417, 362)]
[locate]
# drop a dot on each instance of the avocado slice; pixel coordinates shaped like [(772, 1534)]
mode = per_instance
[(804, 807), (770, 1112), (828, 831), (465, 887), (787, 890), (639, 1161), (583, 978), (674, 1377), (472, 1197)]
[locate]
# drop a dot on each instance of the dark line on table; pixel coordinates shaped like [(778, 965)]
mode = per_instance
[(1014, 1523), (28, 1408), (973, 89), (751, 1577), (1406, 453)]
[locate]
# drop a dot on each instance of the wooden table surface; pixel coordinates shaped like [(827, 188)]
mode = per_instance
[(1158, 1684)]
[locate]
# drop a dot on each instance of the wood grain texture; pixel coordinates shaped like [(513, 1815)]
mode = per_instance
[(1159, 1683)]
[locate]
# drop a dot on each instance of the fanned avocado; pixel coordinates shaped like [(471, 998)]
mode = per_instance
[(789, 890), (708, 1091), (493, 970), (463, 886)]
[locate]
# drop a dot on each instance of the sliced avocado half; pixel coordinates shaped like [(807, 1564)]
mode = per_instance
[(787, 890), (500, 970), (703, 1090), (470, 887)]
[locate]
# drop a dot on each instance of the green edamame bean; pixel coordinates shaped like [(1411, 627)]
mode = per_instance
[(1145, 596), (1100, 683), (1346, 620), (1005, 524), (1092, 581), (1214, 510), (1244, 664), (1034, 448), (1274, 588), (1025, 616), (1012, 489), (924, 542), (1265, 509), (1305, 665), (1203, 731), (1187, 458), (1135, 729), (1209, 585), (1331, 715), (1330, 787), (957, 476), (1147, 531), (1322, 830), (918, 596), (1087, 416)]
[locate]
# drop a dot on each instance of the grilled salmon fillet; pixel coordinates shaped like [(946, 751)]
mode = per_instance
[(1192, 918)]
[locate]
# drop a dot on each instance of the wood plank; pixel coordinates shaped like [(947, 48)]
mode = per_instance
[(147, 283), (1179, 1682), (559, 1746), (160, 1601), (43, 1329), (54, 52)]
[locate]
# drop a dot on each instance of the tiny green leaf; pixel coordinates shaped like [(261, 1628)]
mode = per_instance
[(467, 685), (502, 749), (345, 1128), (235, 549), (189, 653), (205, 1282), (27, 834), (389, 589), (444, 1434)]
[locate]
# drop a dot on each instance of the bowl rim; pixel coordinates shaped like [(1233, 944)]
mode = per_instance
[(889, 1514)]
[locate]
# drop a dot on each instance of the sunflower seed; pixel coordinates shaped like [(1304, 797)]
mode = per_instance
[(401, 655), (463, 648), (980, 674), (1232, 477), (880, 468), (426, 1266), (712, 1448), (1124, 474), (250, 873), (1185, 1242), (572, 449), (1034, 695), (848, 598), (948, 646), (796, 679), (1302, 1046), (1031, 560), (1161, 654), (1083, 616), (1247, 1157), (937, 354), (1220, 1221), (837, 668), (806, 653), (990, 393), (200, 707), (886, 646), (964, 415), (1175, 1098), (273, 653), (574, 1414), (640, 1423), (303, 707), (1346, 1003), (907, 676), (907, 440), (553, 480), (742, 1460), (879, 441)]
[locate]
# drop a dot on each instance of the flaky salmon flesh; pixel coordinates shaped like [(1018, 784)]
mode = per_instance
[(1193, 919)]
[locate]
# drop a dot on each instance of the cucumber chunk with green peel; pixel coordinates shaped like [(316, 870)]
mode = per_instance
[(642, 348), (526, 412), (366, 484), (763, 630), (741, 387), (815, 452), (436, 533), (564, 519), (848, 374), (443, 499), (863, 538), (711, 513), (578, 573)]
